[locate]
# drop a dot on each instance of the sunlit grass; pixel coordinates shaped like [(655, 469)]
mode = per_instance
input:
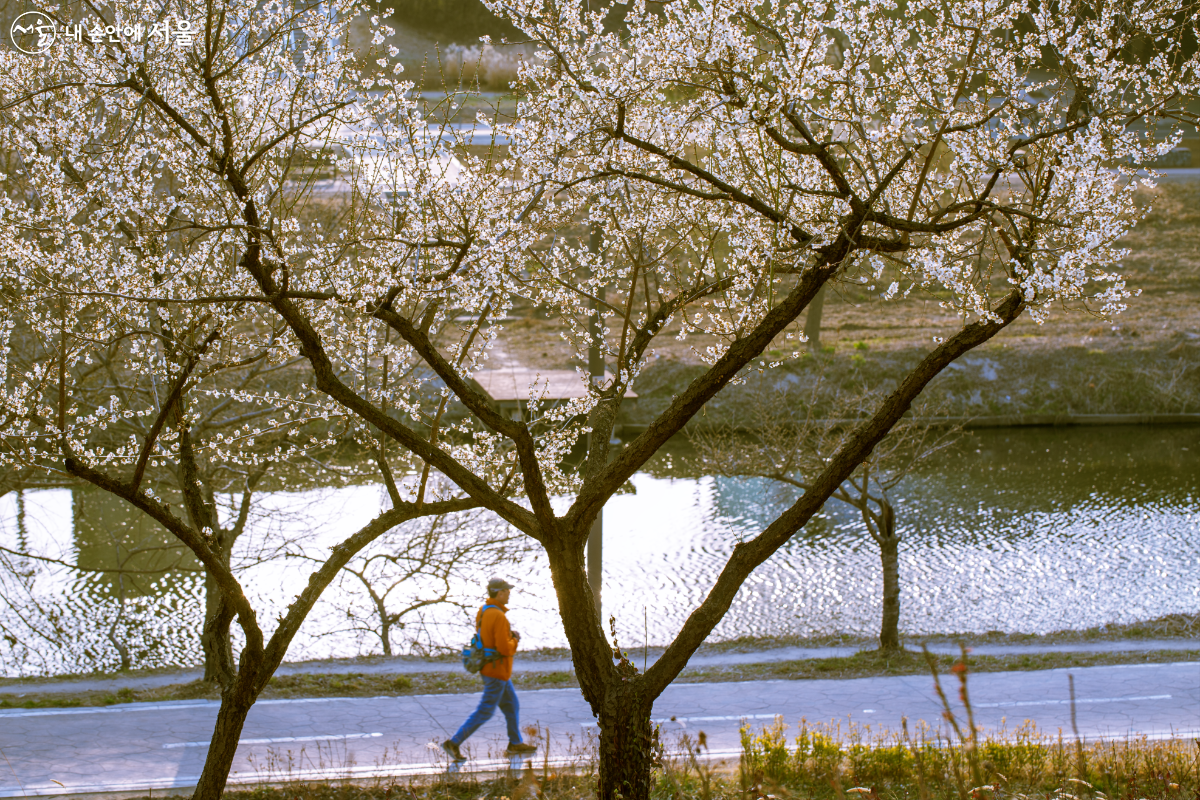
[(823, 762)]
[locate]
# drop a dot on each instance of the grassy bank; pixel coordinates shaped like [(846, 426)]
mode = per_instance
[(1172, 626), (1023, 763), (824, 763), (864, 664), (1147, 360)]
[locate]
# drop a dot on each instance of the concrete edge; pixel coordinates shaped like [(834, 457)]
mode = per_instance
[(487, 768), (1003, 421), (484, 768)]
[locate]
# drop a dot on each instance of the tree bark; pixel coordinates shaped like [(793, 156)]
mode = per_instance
[(236, 702), (627, 743), (385, 626), (214, 640), (889, 547), (812, 322), (620, 698), (219, 666)]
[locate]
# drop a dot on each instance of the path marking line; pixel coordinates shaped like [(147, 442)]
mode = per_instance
[(1080, 702), (176, 705), (698, 719), (283, 740), (183, 705)]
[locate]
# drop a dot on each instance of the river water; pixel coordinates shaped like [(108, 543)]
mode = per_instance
[(1018, 530)]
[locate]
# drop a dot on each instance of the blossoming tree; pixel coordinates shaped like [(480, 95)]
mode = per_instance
[(741, 155), (734, 157), (139, 354)]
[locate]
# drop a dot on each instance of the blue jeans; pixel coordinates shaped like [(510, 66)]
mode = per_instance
[(495, 693)]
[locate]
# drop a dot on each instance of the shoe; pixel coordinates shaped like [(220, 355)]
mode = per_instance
[(452, 750), (521, 749)]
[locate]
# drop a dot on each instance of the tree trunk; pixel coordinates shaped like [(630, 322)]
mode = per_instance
[(889, 547), (595, 543), (812, 322), (385, 628), (386, 637), (627, 744), (618, 696), (219, 665), (235, 706)]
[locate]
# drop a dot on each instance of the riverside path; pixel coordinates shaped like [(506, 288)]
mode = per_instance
[(143, 746)]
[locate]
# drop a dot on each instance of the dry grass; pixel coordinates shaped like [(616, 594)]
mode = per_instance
[(961, 760), (489, 67), (839, 760), (832, 763)]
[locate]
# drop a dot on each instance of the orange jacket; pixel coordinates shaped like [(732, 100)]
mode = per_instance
[(494, 630)]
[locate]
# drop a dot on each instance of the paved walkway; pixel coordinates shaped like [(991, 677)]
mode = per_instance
[(162, 745), (401, 665)]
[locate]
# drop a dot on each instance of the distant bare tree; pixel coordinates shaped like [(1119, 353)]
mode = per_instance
[(426, 560), (132, 364), (790, 435)]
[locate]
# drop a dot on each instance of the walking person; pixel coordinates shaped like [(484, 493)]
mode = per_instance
[(492, 624)]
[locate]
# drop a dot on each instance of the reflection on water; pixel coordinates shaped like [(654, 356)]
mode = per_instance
[(1020, 530), (1024, 530), (134, 600)]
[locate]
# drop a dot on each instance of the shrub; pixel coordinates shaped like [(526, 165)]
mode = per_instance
[(493, 67), (1026, 763)]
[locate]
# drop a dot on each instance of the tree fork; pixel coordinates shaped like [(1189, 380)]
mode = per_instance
[(620, 699)]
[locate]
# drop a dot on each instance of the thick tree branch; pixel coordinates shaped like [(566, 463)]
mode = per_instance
[(168, 407), (688, 403), (736, 194), (517, 431), (161, 513), (327, 381), (339, 557), (855, 449)]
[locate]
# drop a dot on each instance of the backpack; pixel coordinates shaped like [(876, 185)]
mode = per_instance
[(475, 656)]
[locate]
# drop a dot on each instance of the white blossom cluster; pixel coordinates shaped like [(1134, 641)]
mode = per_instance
[(124, 226), (279, 227), (971, 145)]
